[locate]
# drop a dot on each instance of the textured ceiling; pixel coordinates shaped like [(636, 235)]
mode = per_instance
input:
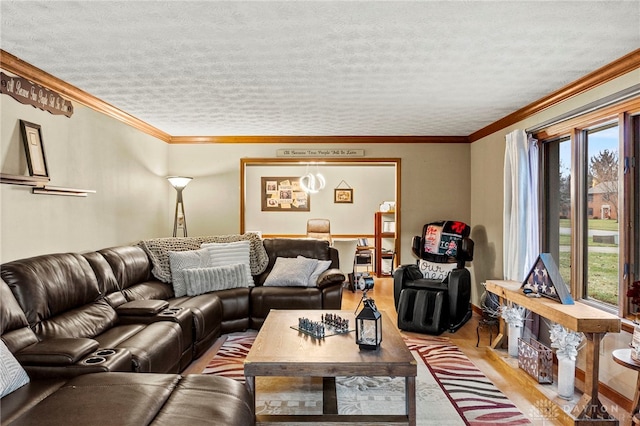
[(432, 68)]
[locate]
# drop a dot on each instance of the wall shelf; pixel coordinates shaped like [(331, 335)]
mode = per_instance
[(23, 180), (56, 190), (39, 185)]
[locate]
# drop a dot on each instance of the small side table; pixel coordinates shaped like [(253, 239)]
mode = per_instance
[(623, 357), (487, 322)]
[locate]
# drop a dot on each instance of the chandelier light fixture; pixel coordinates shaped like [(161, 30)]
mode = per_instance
[(179, 220), (312, 183)]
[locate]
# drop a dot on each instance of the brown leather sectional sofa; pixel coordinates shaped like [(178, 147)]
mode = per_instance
[(89, 321)]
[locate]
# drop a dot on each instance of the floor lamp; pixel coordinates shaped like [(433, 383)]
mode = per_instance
[(179, 183)]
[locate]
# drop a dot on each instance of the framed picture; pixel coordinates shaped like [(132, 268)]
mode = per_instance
[(344, 195), (284, 194), (32, 138)]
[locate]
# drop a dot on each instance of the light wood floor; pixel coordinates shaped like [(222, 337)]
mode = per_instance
[(465, 338)]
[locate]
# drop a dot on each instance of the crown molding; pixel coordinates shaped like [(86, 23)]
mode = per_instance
[(15, 65), (615, 69), (316, 139)]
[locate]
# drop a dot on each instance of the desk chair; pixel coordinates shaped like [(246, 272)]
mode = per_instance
[(319, 229)]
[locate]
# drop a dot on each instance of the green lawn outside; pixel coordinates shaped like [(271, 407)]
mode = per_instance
[(602, 275), (565, 240), (602, 269), (600, 224)]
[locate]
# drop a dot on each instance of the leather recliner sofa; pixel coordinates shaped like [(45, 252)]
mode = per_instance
[(85, 321), (236, 309), (62, 299), (97, 394), (112, 298)]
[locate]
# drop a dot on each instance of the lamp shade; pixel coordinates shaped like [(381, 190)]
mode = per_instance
[(179, 182), (369, 326)]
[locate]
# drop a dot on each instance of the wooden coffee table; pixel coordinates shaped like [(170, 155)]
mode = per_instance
[(281, 351)]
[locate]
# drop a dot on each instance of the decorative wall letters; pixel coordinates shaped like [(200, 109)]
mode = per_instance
[(28, 93)]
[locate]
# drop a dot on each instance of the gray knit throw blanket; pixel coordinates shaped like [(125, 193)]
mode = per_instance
[(158, 250)]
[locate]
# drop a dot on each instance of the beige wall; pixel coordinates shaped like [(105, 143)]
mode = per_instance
[(133, 200), (435, 182), (487, 159), (371, 183), (127, 168)]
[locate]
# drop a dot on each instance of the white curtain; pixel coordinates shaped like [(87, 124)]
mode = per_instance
[(521, 239)]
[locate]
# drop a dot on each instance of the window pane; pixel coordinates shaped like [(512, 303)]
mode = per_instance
[(558, 204), (602, 215), (564, 199)]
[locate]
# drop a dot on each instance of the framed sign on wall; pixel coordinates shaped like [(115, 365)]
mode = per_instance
[(32, 138), (284, 194)]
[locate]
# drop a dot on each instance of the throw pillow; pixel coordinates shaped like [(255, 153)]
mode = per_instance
[(290, 272), (181, 260), (435, 271), (158, 251), (223, 254), (12, 375), (205, 280), (322, 266)]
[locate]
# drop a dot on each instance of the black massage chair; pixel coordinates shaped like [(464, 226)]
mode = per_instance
[(434, 294)]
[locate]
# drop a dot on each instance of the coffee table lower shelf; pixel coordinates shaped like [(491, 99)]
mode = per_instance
[(330, 414), (329, 419)]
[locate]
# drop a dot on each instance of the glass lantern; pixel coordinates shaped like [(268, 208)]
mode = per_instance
[(369, 326)]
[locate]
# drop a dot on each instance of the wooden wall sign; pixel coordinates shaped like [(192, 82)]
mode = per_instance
[(28, 93)]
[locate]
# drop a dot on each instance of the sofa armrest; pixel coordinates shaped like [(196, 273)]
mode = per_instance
[(142, 307), (330, 277), (63, 351), (459, 288)]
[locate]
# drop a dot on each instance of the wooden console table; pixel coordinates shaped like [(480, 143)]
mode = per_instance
[(593, 322)]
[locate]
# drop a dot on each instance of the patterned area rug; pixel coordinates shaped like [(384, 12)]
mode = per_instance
[(450, 389)]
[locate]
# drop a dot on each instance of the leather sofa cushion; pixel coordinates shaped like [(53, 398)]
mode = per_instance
[(57, 351), (23, 399), (10, 312), (263, 299), (206, 311), (128, 399), (149, 290), (87, 321), (48, 285), (154, 348), (14, 327), (130, 264), (104, 399), (106, 279), (205, 400), (206, 315)]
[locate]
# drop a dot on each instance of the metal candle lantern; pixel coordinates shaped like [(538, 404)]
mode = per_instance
[(368, 325)]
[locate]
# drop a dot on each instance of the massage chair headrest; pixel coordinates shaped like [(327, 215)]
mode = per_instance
[(444, 242)]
